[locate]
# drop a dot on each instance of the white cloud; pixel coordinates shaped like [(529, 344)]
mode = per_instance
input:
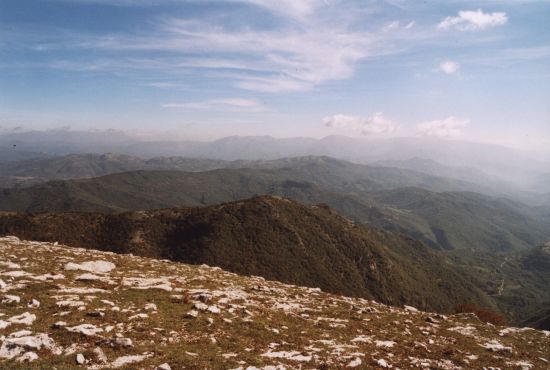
[(448, 127), (291, 59), (229, 104), (410, 25), (313, 42), (391, 25), (449, 67), (292, 8), (288, 60), (396, 25), (469, 20), (374, 124)]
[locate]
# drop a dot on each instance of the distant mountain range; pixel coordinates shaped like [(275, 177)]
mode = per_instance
[(386, 197), (518, 168), (274, 238), (78, 166)]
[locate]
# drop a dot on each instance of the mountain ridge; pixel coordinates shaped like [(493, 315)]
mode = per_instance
[(273, 237), (374, 195)]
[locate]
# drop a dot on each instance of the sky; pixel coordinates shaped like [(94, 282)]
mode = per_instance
[(204, 69)]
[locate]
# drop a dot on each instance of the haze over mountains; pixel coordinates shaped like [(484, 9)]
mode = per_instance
[(522, 170), (465, 207), (442, 216)]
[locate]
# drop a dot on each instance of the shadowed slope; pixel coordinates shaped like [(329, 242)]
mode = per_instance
[(275, 238)]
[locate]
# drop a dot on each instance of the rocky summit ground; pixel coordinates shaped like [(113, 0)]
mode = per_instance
[(69, 308)]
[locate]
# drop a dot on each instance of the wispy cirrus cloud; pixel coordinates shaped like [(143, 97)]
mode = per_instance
[(226, 104), (314, 42), (288, 59), (470, 20), (292, 8)]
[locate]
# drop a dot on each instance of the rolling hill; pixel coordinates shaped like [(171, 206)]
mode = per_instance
[(275, 238), (384, 197), (336, 172), (77, 166), (465, 220)]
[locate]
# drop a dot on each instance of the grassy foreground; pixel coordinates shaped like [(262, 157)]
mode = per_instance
[(121, 311)]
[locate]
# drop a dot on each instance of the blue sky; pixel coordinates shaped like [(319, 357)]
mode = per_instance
[(476, 70)]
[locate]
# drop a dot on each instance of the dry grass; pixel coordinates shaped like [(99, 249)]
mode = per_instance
[(257, 317)]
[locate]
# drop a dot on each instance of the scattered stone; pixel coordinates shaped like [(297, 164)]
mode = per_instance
[(164, 366), (355, 362), (91, 277), (59, 325), (214, 309), (101, 357), (204, 307), (68, 303), (47, 277), (33, 303), (80, 359), (148, 283), (85, 329), (151, 307), (292, 356), (139, 316), (383, 363), (120, 342), (16, 273), (76, 290), (27, 357), (496, 346), (126, 360), (384, 343), (91, 266), (22, 341), (11, 299), (25, 319), (200, 306)]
